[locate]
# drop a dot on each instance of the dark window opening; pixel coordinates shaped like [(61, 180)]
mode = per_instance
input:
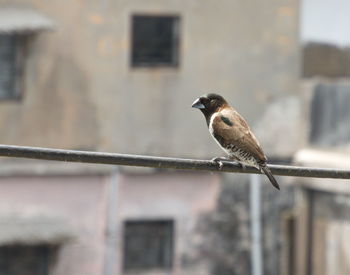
[(26, 260), (148, 245), (155, 41), (330, 115), (10, 65)]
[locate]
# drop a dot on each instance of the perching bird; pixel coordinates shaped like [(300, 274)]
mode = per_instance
[(232, 133)]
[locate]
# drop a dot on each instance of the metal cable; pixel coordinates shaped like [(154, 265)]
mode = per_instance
[(162, 162)]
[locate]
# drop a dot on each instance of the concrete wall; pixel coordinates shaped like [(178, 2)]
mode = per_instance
[(94, 209), (78, 201), (81, 93), (181, 197)]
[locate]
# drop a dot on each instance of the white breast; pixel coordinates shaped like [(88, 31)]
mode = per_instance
[(232, 151), (211, 130)]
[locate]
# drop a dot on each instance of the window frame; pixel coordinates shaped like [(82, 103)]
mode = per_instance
[(19, 64), (175, 43), (165, 263), (43, 256)]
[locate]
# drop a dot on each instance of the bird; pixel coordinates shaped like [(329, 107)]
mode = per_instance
[(233, 134)]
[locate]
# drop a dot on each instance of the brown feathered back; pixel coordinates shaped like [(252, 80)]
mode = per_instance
[(238, 134)]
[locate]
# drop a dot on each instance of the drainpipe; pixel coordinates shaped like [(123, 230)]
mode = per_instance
[(110, 267), (255, 222)]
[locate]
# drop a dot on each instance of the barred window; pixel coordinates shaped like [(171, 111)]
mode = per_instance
[(26, 260), (10, 66), (330, 115), (148, 245), (155, 41)]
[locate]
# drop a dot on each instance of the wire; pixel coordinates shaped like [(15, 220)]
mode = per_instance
[(162, 162)]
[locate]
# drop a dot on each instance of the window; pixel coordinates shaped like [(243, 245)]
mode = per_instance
[(155, 41), (10, 66), (148, 245), (330, 115), (25, 260)]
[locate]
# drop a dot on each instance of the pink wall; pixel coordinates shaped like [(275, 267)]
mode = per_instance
[(179, 196), (81, 201)]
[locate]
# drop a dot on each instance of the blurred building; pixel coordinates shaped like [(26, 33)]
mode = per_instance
[(321, 217), (120, 76)]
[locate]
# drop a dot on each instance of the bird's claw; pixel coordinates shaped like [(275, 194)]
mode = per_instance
[(218, 162)]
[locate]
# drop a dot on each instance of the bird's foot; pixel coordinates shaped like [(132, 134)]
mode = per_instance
[(218, 161)]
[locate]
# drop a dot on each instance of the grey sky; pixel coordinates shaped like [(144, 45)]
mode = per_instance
[(326, 21)]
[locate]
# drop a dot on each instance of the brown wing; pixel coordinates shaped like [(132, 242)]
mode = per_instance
[(236, 132)]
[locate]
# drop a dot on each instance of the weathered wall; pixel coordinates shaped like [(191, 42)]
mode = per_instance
[(78, 201), (323, 238), (182, 197), (80, 91), (92, 209), (227, 229)]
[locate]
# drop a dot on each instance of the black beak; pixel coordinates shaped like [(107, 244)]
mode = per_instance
[(198, 104)]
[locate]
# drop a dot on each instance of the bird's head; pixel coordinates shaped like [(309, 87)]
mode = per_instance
[(210, 103)]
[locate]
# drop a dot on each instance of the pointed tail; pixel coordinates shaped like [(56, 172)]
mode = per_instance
[(268, 173)]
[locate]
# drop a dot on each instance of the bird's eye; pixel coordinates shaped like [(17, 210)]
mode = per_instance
[(206, 100)]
